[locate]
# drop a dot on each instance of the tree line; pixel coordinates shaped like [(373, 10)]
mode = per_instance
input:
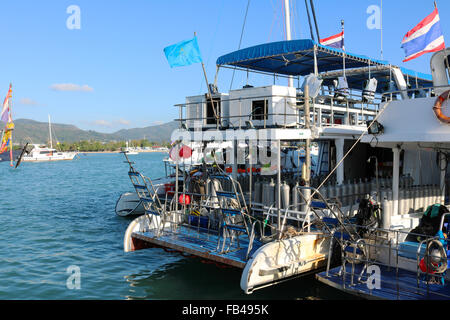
[(99, 146)]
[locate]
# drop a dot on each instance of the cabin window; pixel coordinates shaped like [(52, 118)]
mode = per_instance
[(259, 110), (210, 117)]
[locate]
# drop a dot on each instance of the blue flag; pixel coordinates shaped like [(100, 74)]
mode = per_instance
[(183, 53)]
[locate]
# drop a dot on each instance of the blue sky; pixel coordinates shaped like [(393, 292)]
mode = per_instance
[(112, 73)]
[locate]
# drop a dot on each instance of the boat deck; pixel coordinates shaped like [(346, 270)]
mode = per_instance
[(393, 286), (199, 242)]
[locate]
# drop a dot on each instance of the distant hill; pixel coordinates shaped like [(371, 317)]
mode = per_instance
[(159, 133), (37, 132)]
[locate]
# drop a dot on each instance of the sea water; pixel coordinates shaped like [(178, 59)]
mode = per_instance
[(61, 239)]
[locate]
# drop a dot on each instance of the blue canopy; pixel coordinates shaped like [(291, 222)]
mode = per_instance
[(296, 58)]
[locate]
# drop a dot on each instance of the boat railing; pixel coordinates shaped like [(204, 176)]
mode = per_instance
[(383, 248), (321, 203), (326, 110), (413, 93)]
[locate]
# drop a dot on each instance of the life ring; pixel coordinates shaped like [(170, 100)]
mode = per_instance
[(433, 263), (438, 107)]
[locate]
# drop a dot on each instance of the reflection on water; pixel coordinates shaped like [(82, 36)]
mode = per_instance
[(61, 214)]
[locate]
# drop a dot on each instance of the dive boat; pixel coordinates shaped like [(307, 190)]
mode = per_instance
[(255, 214), (259, 201), (405, 256)]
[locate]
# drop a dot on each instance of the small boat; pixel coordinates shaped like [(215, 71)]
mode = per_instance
[(40, 153), (129, 204), (130, 151)]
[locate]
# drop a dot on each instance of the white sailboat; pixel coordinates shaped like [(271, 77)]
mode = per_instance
[(41, 153), (130, 151)]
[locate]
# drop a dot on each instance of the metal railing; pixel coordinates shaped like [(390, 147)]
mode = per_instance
[(326, 111), (378, 241)]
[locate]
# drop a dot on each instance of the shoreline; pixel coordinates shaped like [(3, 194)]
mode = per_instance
[(144, 151)]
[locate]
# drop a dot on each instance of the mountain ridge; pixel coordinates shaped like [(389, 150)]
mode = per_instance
[(32, 131)]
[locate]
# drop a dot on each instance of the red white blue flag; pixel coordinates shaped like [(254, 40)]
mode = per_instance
[(425, 37), (336, 41)]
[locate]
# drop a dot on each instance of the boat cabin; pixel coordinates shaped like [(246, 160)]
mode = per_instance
[(347, 92)]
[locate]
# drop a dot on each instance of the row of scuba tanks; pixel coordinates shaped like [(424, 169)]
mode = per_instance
[(411, 198)]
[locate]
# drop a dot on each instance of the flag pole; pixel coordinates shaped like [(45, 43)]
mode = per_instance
[(11, 139), (381, 26), (209, 91), (447, 65), (343, 45)]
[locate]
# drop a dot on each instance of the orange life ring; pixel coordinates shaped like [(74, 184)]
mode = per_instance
[(438, 107)]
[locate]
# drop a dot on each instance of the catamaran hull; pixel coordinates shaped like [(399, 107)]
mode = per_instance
[(281, 260)]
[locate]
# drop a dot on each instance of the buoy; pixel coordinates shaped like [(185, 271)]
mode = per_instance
[(184, 199)]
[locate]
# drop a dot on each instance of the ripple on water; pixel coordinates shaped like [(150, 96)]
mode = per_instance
[(61, 214)]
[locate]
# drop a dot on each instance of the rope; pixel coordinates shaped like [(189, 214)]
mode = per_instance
[(349, 151), (309, 21), (240, 41)]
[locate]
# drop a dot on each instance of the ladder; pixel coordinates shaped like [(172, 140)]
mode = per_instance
[(323, 163), (234, 215), (147, 194)]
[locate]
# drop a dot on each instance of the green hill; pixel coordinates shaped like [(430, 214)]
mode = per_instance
[(37, 132)]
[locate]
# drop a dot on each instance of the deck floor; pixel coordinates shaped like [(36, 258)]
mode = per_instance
[(198, 242), (401, 286)]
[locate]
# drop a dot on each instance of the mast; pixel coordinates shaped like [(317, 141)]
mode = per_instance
[(381, 27), (288, 32), (11, 138), (50, 132)]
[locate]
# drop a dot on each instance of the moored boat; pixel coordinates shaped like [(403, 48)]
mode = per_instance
[(258, 201)]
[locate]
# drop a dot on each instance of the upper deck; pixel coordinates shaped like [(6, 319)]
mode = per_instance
[(346, 91)]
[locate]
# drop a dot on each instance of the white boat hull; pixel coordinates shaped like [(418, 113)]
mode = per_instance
[(57, 157), (280, 260)]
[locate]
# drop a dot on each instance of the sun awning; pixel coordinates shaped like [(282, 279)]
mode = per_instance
[(296, 58)]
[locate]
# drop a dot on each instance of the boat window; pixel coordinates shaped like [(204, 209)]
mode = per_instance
[(259, 110), (210, 117), (44, 152)]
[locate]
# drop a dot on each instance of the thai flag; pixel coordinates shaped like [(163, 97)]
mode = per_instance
[(425, 37), (336, 41)]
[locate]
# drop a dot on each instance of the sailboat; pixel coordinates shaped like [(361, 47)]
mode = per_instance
[(43, 153), (130, 151), (6, 133)]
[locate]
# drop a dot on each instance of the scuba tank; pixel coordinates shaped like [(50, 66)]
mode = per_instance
[(324, 191), (408, 200), (271, 194), (345, 194), (386, 213), (257, 192), (339, 189), (295, 198), (285, 195), (401, 200)]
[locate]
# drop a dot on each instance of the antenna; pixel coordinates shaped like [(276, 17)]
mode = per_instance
[(381, 26), (288, 32)]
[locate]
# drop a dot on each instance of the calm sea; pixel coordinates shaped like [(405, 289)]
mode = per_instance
[(59, 217)]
